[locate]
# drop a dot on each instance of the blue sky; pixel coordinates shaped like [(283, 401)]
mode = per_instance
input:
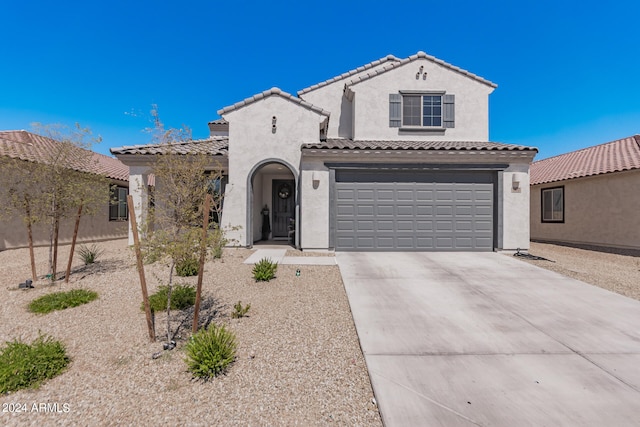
[(567, 71)]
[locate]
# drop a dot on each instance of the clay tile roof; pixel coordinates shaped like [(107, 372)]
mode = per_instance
[(214, 145), (412, 58), (348, 144), (388, 58), (277, 92), (218, 122), (28, 146), (620, 155)]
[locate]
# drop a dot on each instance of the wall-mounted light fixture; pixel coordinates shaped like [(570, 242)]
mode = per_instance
[(315, 179), (515, 182), (273, 124)]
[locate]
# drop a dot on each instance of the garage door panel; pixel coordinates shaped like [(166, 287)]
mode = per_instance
[(404, 210), (414, 211)]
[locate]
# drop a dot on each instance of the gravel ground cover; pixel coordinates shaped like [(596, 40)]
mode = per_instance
[(615, 272), (298, 361)]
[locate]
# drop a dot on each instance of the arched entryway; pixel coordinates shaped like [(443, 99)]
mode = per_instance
[(272, 202)]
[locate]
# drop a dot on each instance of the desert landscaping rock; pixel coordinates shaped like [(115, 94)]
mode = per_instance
[(614, 272), (298, 361)]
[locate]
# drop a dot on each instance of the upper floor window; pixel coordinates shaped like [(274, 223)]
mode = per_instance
[(421, 110), (118, 205), (553, 204)]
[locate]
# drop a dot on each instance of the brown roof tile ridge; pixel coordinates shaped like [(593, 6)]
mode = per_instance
[(9, 135), (349, 73), (273, 91), (591, 148), (418, 55), (220, 121)]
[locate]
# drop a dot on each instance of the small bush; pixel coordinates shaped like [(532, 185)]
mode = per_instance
[(28, 365), (61, 300), (182, 296), (89, 254), (187, 267), (265, 270), (240, 311), (218, 242), (210, 351)]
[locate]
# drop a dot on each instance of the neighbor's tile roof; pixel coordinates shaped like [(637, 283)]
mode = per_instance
[(214, 145), (350, 73), (23, 145), (348, 144), (615, 156), (273, 91), (412, 58)]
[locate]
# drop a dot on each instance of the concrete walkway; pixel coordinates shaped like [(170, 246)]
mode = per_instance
[(279, 256), (468, 339)]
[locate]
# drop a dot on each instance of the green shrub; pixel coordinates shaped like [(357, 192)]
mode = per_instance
[(187, 267), (265, 270), (218, 242), (240, 311), (182, 296), (89, 254), (210, 351), (61, 300), (28, 365)]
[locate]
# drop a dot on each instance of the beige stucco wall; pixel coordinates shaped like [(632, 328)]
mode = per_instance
[(252, 143), (13, 232), (603, 210), (371, 103)]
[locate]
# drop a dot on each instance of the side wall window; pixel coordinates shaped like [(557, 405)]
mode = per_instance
[(118, 204), (553, 204)]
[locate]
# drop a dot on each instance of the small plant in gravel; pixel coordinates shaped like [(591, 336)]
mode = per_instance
[(61, 300), (187, 267), (89, 254), (265, 270), (210, 351), (239, 310), (182, 296), (28, 365)]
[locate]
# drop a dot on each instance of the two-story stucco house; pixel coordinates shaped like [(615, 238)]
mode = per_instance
[(394, 155)]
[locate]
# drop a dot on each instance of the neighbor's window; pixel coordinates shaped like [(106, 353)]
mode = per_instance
[(553, 204), (422, 110), (118, 205)]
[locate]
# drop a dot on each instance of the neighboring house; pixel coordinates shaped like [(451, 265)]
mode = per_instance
[(393, 155), (110, 223), (589, 197)]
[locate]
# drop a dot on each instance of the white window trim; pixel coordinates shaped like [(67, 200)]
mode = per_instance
[(421, 128)]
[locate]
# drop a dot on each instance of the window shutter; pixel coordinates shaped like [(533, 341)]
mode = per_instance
[(395, 110), (448, 119)]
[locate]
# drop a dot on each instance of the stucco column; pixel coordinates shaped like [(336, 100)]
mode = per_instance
[(139, 190)]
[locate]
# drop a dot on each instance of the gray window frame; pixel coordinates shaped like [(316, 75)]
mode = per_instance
[(421, 104), (118, 203), (552, 191)]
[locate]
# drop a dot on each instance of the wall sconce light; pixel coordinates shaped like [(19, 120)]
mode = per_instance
[(515, 182), (315, 179), (273, 124)]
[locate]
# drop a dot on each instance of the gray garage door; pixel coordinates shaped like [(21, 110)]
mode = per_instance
[(414, 210)]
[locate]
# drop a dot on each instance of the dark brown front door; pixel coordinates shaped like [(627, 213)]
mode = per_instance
[(284, 195)]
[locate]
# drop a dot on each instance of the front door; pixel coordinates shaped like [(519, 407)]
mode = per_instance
[(283, 206)]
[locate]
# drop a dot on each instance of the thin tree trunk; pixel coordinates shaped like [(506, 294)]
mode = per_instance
[(30, 234), (73, 244), (203, 252), (169, 289), (55, 249), (143, 281)]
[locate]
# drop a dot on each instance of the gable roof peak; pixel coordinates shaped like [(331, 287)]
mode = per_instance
[(419, 55), (267, 93)]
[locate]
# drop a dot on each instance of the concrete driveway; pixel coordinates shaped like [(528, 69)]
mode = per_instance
[(464, 339)]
